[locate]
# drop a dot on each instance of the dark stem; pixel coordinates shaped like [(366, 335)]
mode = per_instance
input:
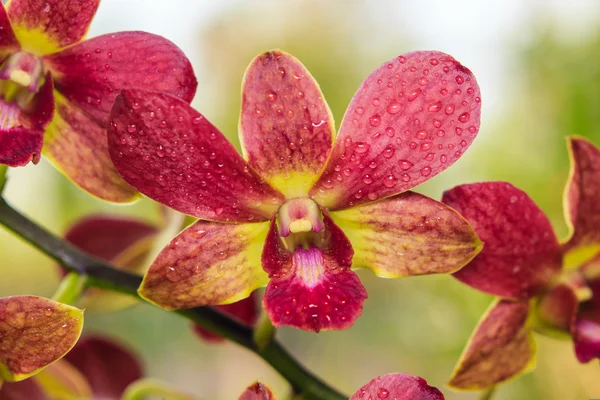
[(103, 275)]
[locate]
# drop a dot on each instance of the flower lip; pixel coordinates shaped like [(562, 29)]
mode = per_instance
[(299, 215), (23, 69)]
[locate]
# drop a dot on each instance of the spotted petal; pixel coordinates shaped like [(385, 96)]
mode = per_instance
[(91, 74), (521, 253), (411, 118), (286, 127), (207, 264), (123, 241), (582, 209), (22, 130), (44, 26), (257, 391), (398, 387), (172, 154), (108, 367), (8, 41), (408, 234), (312, 289), (501, 347), (34, 332)]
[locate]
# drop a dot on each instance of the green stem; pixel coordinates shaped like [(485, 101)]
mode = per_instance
[(103, 275), (488, 394), (3, 178), (70, 288)]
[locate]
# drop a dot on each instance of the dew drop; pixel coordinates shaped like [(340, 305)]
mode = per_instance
[(394, 107), (472, 129), (390, 131), (389, 152), (367, 179), (402, 59), (443, 158), (131, 128), (444, 92), (405, 165), (435, 107), (426, 171), (390, 181), (477, 100), (376, 101), (429, 157), (434, 61), (270, 96), (426, 146), (470, 90), (440, 132), (383, 393), (423, 81), (281, 72), (328, 183), (458, 130), (196, 120), (414, 94), (218, 210), (449, 109), (421, 135), (405, 177), (370, 196), (361, 147), (375, 120), (464, 117), (359, 110), (459, 79)]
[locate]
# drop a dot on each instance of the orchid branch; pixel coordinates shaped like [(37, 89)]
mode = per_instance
[(103, 275)]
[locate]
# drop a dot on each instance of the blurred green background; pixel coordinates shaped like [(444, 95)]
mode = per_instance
[(537, 64)]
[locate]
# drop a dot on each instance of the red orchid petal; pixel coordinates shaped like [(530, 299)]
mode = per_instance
[(108, 366), (28, 389), (207, 264), (501, 348), (44, 26), (411, 118), (8, 41), (34, 333), (520, 253), (582, 209), (557, 308), (408, 234), (77, 146), (312, 289), (172, 154), (586, 336), (22, 131), (286, 127), (398, 387), (257, 391), (91, 74), (244, 311)]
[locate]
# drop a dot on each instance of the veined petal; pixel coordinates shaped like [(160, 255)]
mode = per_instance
[(411, 118), (22, 127), (108, 367), (582, 209), (408, 234), (91, 74), (8, 41), (207, 264), (123, 241), (257, 391), (172, 154), (312, 289), (244, 311), (398, 387), (520, 254), (44, 26), (286, 128), (501, 348), (34, 333)]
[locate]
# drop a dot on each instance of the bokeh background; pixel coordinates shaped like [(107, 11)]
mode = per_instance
[(537, 63)]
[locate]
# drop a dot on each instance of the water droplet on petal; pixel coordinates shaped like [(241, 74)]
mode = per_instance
[(405, 177), (472, 129), (383, 393), (426, 171), (367, 179), (426, 146), (443, 158), (375, 120), (389, 152), (434, 61), (459, 79), (394, 107), (218, 210), (421, 135), (405, 165), (359, 110), (390, 181), (449, 109), (464, 117), (435, 107), (361, 147), (423, 81), (414, 94), (197, 120), (131, 128), (281, 72), (402, 59), (376, 101), (270, 96), (390, 131)]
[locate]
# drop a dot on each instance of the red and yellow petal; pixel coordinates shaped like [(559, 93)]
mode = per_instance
[(44, 26), (408, 234), (286, 128), (92, 73), (77, 146), (411, 118), (34, 333), (501, 348), (257, 391), (8, 41), (172, 154), (22, 127), (244, 311), (207, 264), (108, 366), (520, 254), (582, 209), (312, 289), (398, 387)]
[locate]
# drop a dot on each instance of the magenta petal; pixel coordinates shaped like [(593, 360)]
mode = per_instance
[(19, 146), (24, 390), (312, 289), (398, 387), (8, 41), (172, 154), (586, 337), (520, 251), (91, 73), (411, 118), (108, 367), (244, 311)]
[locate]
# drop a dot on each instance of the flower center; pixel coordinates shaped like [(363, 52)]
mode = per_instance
[(300, 224), (21, 77)]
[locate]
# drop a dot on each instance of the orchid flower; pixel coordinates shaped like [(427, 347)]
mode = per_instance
[(391, 386), (57, 90), (299, 210), (542, 284)]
